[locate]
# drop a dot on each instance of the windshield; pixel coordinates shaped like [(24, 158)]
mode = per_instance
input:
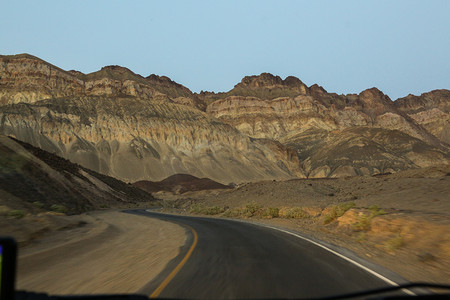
[(257, 149)]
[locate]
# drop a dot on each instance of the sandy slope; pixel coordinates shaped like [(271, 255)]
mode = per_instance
[(114, 252)]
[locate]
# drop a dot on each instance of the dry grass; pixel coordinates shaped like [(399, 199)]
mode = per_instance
[(205, 210), (250, 210), (293, 213)]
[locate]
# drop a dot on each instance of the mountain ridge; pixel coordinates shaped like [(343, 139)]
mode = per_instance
[(112, 119)]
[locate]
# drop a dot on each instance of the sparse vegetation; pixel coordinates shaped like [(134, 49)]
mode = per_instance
[(232, 213), (252, 209), (376, 211), (271, 212), (16, 213), (363, 222), (337, 211), (206, 210), (293, 213), (58, 208), (38, 204), (394, 243)]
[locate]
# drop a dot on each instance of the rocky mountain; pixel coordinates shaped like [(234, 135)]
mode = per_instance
[(335, 135), (148, 128), (121, 124)]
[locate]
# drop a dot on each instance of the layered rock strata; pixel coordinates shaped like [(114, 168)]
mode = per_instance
[(148, 128)]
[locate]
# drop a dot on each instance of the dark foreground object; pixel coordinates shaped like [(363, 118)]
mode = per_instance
[(369, 294)]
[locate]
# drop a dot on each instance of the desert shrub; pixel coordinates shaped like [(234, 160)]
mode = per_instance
[(376, 211), (394, 243), (196, 208), (15, 213), (271, 212), (58, 208), (214, 210), (232, 213), (38, 204), (205, 210), (328, 219), (293, 213), (337, 211), (363, 223), (252, 209)]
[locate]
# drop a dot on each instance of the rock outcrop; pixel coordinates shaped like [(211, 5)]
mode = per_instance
[(431, 110)]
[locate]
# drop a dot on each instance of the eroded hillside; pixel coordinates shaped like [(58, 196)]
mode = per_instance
[(148, 128)]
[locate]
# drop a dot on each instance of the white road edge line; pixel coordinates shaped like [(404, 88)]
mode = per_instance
[(343, 257)]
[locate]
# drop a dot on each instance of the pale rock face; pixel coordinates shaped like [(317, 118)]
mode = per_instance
[(281, 117), (349, 115), (343, 171), (436, 122), (320, 172), (269, 119), (397, 122)]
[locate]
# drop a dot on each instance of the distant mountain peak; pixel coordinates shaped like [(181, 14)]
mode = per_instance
[(374, 95), (268, 86), (268, 80), (119, 69)]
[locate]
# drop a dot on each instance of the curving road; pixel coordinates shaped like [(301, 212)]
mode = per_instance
[(225, 259)]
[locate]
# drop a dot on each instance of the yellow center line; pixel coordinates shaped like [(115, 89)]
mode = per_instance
[(166, 281)]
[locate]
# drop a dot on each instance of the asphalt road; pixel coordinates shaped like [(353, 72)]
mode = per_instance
[(225, 259)]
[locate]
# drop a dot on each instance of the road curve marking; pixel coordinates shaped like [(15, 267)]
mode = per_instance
[(387, 280), (172, 274)]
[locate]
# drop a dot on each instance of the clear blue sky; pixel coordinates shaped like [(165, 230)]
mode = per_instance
[(401, 47)]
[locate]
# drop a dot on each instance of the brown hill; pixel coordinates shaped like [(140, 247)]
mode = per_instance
[(179, 184), (33, 180)]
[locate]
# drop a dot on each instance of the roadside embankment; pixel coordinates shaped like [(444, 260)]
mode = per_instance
[(108, 252)]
